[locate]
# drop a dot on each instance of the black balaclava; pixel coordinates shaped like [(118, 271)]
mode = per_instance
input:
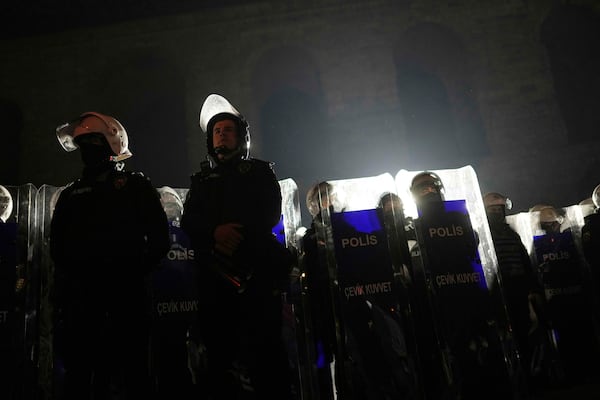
[(429, 179), (496, 218), (96, 153)]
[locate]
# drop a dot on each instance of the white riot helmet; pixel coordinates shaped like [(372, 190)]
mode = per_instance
[(496, 199), (320, 195), (217, 108), (549, 215), (426, 187), (596, 196), (6, 203), (113, 131), (587, 207), (171, 202)]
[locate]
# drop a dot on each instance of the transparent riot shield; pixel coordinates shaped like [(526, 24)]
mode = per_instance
[(369, 327), (295, 328), (19, 296), (575, 218), (569, 312), (466, 338), (521, 223), (176, 351), (50, 371), (286, 230), (545, 367)]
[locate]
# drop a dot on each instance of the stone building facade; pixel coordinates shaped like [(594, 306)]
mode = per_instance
[(332, 89)]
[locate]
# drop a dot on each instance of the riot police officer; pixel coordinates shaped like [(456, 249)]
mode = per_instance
[(466, 333), (564, 278), (108, 233), (175, 308), (230, 210), (322, 303), (519, 282), (427, 189), (590, 239), (8, 280)]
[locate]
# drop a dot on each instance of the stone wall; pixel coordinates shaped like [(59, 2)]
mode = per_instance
[(340, 59)]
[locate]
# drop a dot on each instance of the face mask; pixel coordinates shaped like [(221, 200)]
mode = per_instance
[(431, 197), (495, 218), (550, 227), (93, 155)]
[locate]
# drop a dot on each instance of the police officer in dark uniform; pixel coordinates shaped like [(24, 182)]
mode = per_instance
[(8, 301), (437, 366), (590, 239), (108, 232), (230, 210), (565, 282), (519, 281), (322, 302), (457, 291)]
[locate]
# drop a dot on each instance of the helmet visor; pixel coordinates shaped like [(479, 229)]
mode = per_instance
[(85, 124)]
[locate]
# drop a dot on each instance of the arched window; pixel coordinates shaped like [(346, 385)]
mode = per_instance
[(571, 35), (292, 122), (441, 116)]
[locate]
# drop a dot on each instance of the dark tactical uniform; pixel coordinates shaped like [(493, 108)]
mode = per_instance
[(382, 363), (8, 303), (518, 281), (569, 308), (108, 232), (590, 239), (461, 304), (321, 304), (240, 326)]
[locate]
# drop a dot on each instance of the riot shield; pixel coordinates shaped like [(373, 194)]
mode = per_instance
[(575, 218), (466, 338), (521, 223), (373, 350), (286, 230), (19, 296), (295, 322), (50, 371), (174, 307), (569, 313)]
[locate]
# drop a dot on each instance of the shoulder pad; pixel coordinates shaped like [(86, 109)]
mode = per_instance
[(255, 163), (201, 175), (123, 178), (260, 162), (136, 176), (245, 166)]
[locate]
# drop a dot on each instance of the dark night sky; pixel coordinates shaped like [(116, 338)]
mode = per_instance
[(30, 18)]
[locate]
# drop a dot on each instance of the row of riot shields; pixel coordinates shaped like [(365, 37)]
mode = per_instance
[(387, 300), (19, 281), (401, 302), (567, 334), (31, 355)]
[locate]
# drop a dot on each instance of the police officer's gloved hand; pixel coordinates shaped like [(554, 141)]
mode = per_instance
[(227, 238)]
